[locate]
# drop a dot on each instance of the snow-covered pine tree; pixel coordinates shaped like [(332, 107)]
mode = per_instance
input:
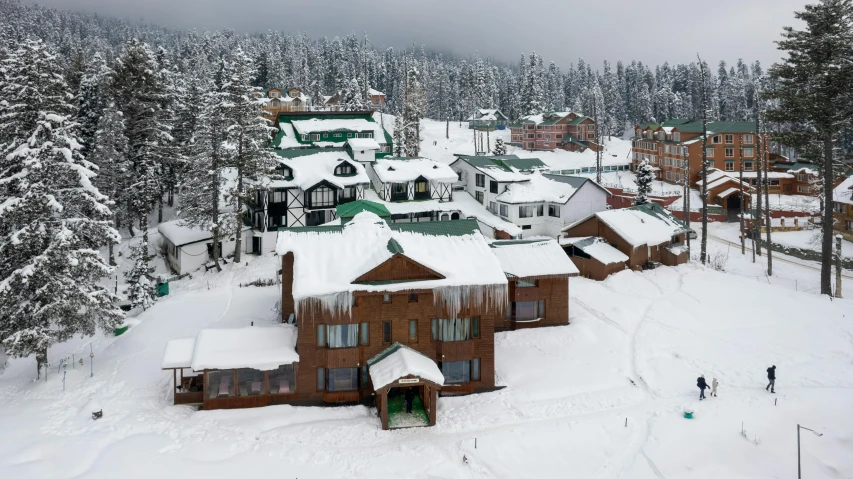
[(203, 199), (414, 112), (644, 177), (166, 150), (53, 219), (810, 91), (109, 154), (94, 96), (399, 137), (352, 99), (138, 94), (533, 94), (141, 290), (248, 136), (500, 147)]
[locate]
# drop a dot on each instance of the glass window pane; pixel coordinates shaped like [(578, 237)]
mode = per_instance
[(458, 329), (365, 333), (386, 331), (342, 335), (283, 380), (342, 379), (525, 310), (525, 284), (220, 384), (434, 329), (413, 329), (456, 371), (321, 378), (250, 382), (475, 327), (541, 312), (475, 369), (321, 335)]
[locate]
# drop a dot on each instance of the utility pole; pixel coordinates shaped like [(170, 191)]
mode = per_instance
[(838, 266), (742, 201), (686, 151), (759, 183), (799, 465), (765, 157)]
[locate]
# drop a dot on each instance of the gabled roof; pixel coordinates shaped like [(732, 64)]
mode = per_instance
[(547, 118), (400, 170), (487, 115), (647, 224), (349, 210), (375, 92), (312, 166), (506, 168), (576, 181), (362, 143), (398, 361), (328, 259), (537, 190), (717, 127), (843, 193), (536, 258), (597, 248)]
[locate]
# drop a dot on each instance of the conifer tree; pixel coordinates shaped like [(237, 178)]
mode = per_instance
[(644, 178), (141, 290), (53, 219), (415, 108), (500, 147), (812, 91), (399, 139), (94, 96)]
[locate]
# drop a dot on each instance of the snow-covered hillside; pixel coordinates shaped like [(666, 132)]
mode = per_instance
[(635, 347)]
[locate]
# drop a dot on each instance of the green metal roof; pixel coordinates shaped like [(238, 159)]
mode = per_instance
[(299, 152), (348, 210), (391, 350), (717, 127), (504, 162), (658, 211), (577, 120), (498, 244), (394, 247), (429, 228)]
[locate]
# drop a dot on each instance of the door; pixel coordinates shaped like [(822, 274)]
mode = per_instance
[(256, 245), (316, 218)]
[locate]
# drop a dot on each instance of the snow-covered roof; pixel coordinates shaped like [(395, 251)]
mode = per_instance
[(399, 170), (288, 139), (263, 348), (485, 114), (538, 189), (399, 361), (537, 119), (375, 92), (504, 169), (178, 353), (319, 125), (843, 193), (328, 261), (639, 225), (179, 235), (598, 248), (754, 174), (308, 170), (533, 258), (728, 192), (363, 144)]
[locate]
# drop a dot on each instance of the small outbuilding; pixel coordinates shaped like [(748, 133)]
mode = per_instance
[(594, 257), (397, 369)]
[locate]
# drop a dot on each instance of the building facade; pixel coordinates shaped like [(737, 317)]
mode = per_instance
[(552, 130)]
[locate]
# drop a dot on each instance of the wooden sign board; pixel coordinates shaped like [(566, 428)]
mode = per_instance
[(409, 381)]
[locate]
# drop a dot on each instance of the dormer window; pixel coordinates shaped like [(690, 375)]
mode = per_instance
[(284, 170), (344, 170)]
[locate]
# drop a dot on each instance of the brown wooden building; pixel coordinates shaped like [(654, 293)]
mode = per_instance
[(843, 208), (538, 272), (594, 257), (647, 235)]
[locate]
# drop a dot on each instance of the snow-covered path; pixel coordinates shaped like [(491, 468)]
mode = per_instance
[(636, 344)]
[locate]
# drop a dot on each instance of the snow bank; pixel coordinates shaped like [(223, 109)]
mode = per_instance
[(263, 348), (533, 258), (402, 170), (399, 361)]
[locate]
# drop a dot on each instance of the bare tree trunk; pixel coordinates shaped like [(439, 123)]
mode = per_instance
[(704, 252), (112, 255), (826, 244), (759, 185), (238, 246), (764, 158), (447, 128), (838, 266), (687, 194), (488, 142)]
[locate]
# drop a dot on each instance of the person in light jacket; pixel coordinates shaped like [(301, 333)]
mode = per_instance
[(714, 385), (702, 386)]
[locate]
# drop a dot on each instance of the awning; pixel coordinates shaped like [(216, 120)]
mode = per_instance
[(178, 353), (728, 192), (399, 361)]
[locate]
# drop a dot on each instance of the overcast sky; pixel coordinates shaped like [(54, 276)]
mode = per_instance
[(560, 30)]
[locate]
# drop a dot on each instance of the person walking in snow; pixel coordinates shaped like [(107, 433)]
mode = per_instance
[(714, 384), (410, 398), (771, 375), (702, 386)]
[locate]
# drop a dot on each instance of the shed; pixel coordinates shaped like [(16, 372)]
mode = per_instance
[(594, 257), (399, 366)]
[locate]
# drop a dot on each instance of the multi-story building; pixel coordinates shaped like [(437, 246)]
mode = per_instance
[(551, 130), (375, 309), (486, 119), (842, 197), (329, 129), (676, 144)]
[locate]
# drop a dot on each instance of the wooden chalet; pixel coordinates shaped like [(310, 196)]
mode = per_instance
[(594, 257)]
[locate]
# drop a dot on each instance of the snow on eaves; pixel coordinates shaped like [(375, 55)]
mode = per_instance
[(537, 190), (309, 170), (178, 353), (638, 227), (319, 125), (393, 170), (533, 258), (254, 347), (363, 144), (843, 193), (598, 248), (400, 363)]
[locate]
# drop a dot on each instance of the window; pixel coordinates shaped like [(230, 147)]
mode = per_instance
[(554, 211), (529, 310), (677, 177), (386, 298), (747, 139), (338, 135), (348, 193), (480, 180), (349, 135), (315, 137), (413, 298), (808, 189), (669, 175), (730, 166), (730, 152), (504, 210), (456, 371), (220, 384), (540, 210), (459, 329), (434, 329), (730, 139), (421, 187), (344, 169), (525, 284), (413, 330), (475, 369), (676, 136), (837, 207), (321, 335), (748, 165), (493, 207), (525, 212), (365, 334), (304, 137), (715, 140), (526, 227), (322, 196), (250, 382), (342, 379), (849, 225), (399, 190), (277, 196), (342, 335), (282, 380), (749, 152), (493, 187), (479, 196), (386, 332)]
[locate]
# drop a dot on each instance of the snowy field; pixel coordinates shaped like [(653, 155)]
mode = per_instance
[(636, 344)]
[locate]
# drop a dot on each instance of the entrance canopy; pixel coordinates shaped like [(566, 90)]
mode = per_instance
[(399, 361)]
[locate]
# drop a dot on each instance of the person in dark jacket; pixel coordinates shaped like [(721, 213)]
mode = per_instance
[(771, 375), (702, 386), (410, 398)]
